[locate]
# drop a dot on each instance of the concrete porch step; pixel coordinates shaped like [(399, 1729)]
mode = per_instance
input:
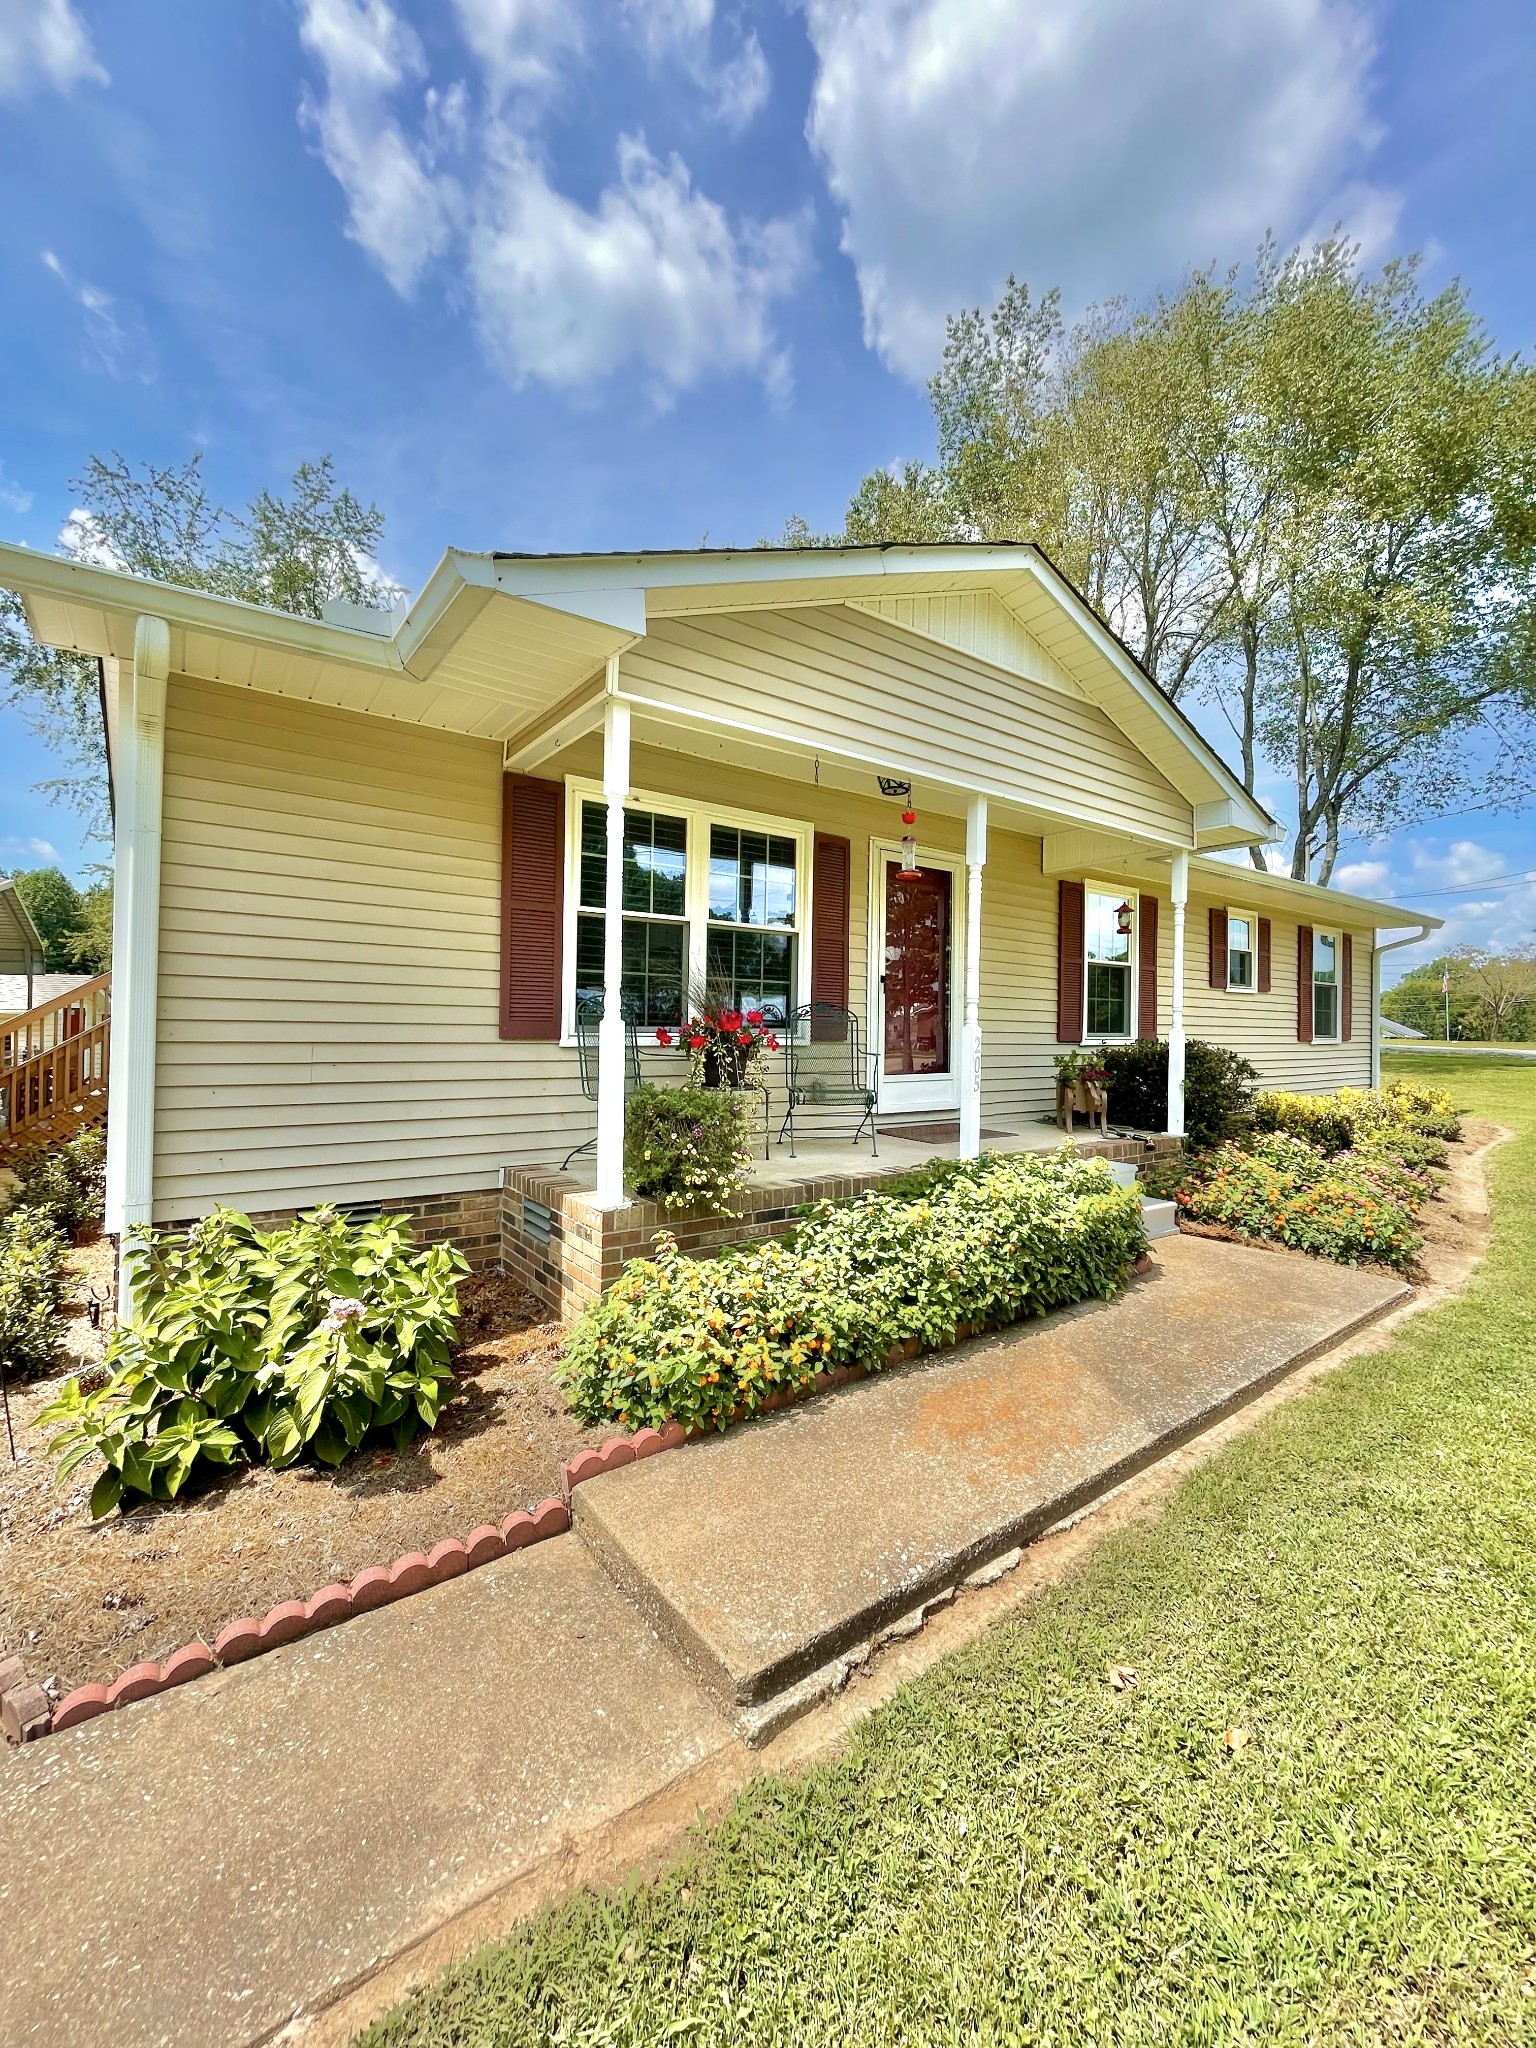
[(767, 1555)]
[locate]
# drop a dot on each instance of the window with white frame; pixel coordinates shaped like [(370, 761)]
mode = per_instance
[(1325, 985), (1242, 971), (714, 904), (1110, 934)]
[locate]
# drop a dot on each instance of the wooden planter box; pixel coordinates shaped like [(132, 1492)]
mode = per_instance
[(1082, 1098)]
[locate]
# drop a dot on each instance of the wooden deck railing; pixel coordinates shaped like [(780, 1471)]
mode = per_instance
[(54, 1062)]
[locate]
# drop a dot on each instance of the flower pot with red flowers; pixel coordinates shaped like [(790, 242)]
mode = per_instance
[(725, 1046)]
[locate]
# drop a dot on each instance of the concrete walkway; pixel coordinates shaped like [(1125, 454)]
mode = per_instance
[(195, 1869), (766, 1554)]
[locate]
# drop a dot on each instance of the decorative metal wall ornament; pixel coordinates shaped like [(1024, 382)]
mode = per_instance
[(891, 785)]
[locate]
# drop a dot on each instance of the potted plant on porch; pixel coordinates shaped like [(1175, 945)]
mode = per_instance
[(725, 1046), (1082, 1087)]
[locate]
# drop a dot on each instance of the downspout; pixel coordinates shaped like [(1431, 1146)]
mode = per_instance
[(1412, 939), (136, 941)]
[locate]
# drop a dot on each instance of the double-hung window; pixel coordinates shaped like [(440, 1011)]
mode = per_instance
[(1110, 933), (1325, 985), (714, 908), (1240, 950), (655, 895)]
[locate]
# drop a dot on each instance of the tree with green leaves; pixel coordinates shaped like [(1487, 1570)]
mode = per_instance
[(1306, 494), (75, 925), (290, 552)]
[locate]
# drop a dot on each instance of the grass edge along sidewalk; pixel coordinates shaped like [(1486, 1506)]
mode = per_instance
[(1306, 1820)]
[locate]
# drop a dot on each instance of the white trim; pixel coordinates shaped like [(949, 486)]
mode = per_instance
[(1323, 931), (1251, 919), (1099, 887), (903, 1092), (1179, 884), (136, 918), (698, 816), (970, 1043), (610, 1032)]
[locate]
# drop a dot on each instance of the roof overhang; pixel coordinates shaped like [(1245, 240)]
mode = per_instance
[(495, 644), (1307, 899)]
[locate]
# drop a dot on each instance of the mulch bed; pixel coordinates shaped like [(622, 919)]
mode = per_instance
[(79, 1601)]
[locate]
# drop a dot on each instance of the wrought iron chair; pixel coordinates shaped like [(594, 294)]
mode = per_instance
[(589, 1015), (825, 1066)]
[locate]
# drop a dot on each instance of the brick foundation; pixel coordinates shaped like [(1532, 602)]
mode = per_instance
[(566, 1250), (471, 1221)]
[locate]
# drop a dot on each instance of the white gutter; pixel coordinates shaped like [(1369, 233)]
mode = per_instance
[(1413, 938), (136, 939)]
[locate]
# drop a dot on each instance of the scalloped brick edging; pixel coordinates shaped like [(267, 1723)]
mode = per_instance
[(374, 1586), (617, 1451)]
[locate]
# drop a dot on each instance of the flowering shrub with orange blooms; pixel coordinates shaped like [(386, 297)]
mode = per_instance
[(1355, 1208), (698, 1340)]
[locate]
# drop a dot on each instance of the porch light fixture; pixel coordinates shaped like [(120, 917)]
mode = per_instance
[(1123, 919)]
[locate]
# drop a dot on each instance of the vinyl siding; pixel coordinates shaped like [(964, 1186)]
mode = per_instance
[(329, 962), (836, 678)]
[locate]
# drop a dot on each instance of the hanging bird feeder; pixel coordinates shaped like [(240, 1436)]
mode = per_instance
[(1123, 916)]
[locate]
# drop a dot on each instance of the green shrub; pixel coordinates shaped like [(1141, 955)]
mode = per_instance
[(262, 1345), (1322, 1120), (1286, 1191), (1412, 1148), (687, 1147), (67, 1180), (1218, 1088), (696, 1340), (31, 1291), (1356, 1115)]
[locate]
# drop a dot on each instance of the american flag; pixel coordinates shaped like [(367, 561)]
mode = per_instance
[(1445, 982)]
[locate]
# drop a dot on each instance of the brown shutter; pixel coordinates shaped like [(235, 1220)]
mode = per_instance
[(1347, 992), (1218, 962), (1146, 961), (1071, 943), (1304, 984), (1263, 956), (831, 899), (532, 888)]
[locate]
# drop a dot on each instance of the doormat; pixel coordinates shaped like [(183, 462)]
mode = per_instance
[(935, 1134)]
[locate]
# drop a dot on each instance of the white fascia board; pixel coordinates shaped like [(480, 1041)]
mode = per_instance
[(529, 576), (1264, 827), (113, 590), (1239, 882)]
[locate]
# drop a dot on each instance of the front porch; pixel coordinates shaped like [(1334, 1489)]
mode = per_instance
[(565, 1244)]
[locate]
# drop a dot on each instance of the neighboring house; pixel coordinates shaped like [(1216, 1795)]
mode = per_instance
[(21, 953), (1390, 1028), (361, 874)]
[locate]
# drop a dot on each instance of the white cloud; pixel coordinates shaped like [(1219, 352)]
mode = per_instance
[(521, 45), (679, 31), (399, 209), (1363, 877), (1100, 144), (44, 43), (116, 335), (12, 496), (652, 274), (81, 538), (14, 851)]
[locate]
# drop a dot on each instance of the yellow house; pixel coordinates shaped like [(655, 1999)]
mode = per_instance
[(369, 867)]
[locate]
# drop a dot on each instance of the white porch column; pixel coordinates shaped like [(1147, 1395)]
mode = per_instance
[(136, 938), (610, 1038), (970, 1042), (1176, 1012)]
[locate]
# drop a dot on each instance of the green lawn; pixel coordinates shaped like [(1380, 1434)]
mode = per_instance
[(1013, 1852)]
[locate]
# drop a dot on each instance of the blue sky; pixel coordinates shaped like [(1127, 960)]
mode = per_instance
[(555, 274)]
